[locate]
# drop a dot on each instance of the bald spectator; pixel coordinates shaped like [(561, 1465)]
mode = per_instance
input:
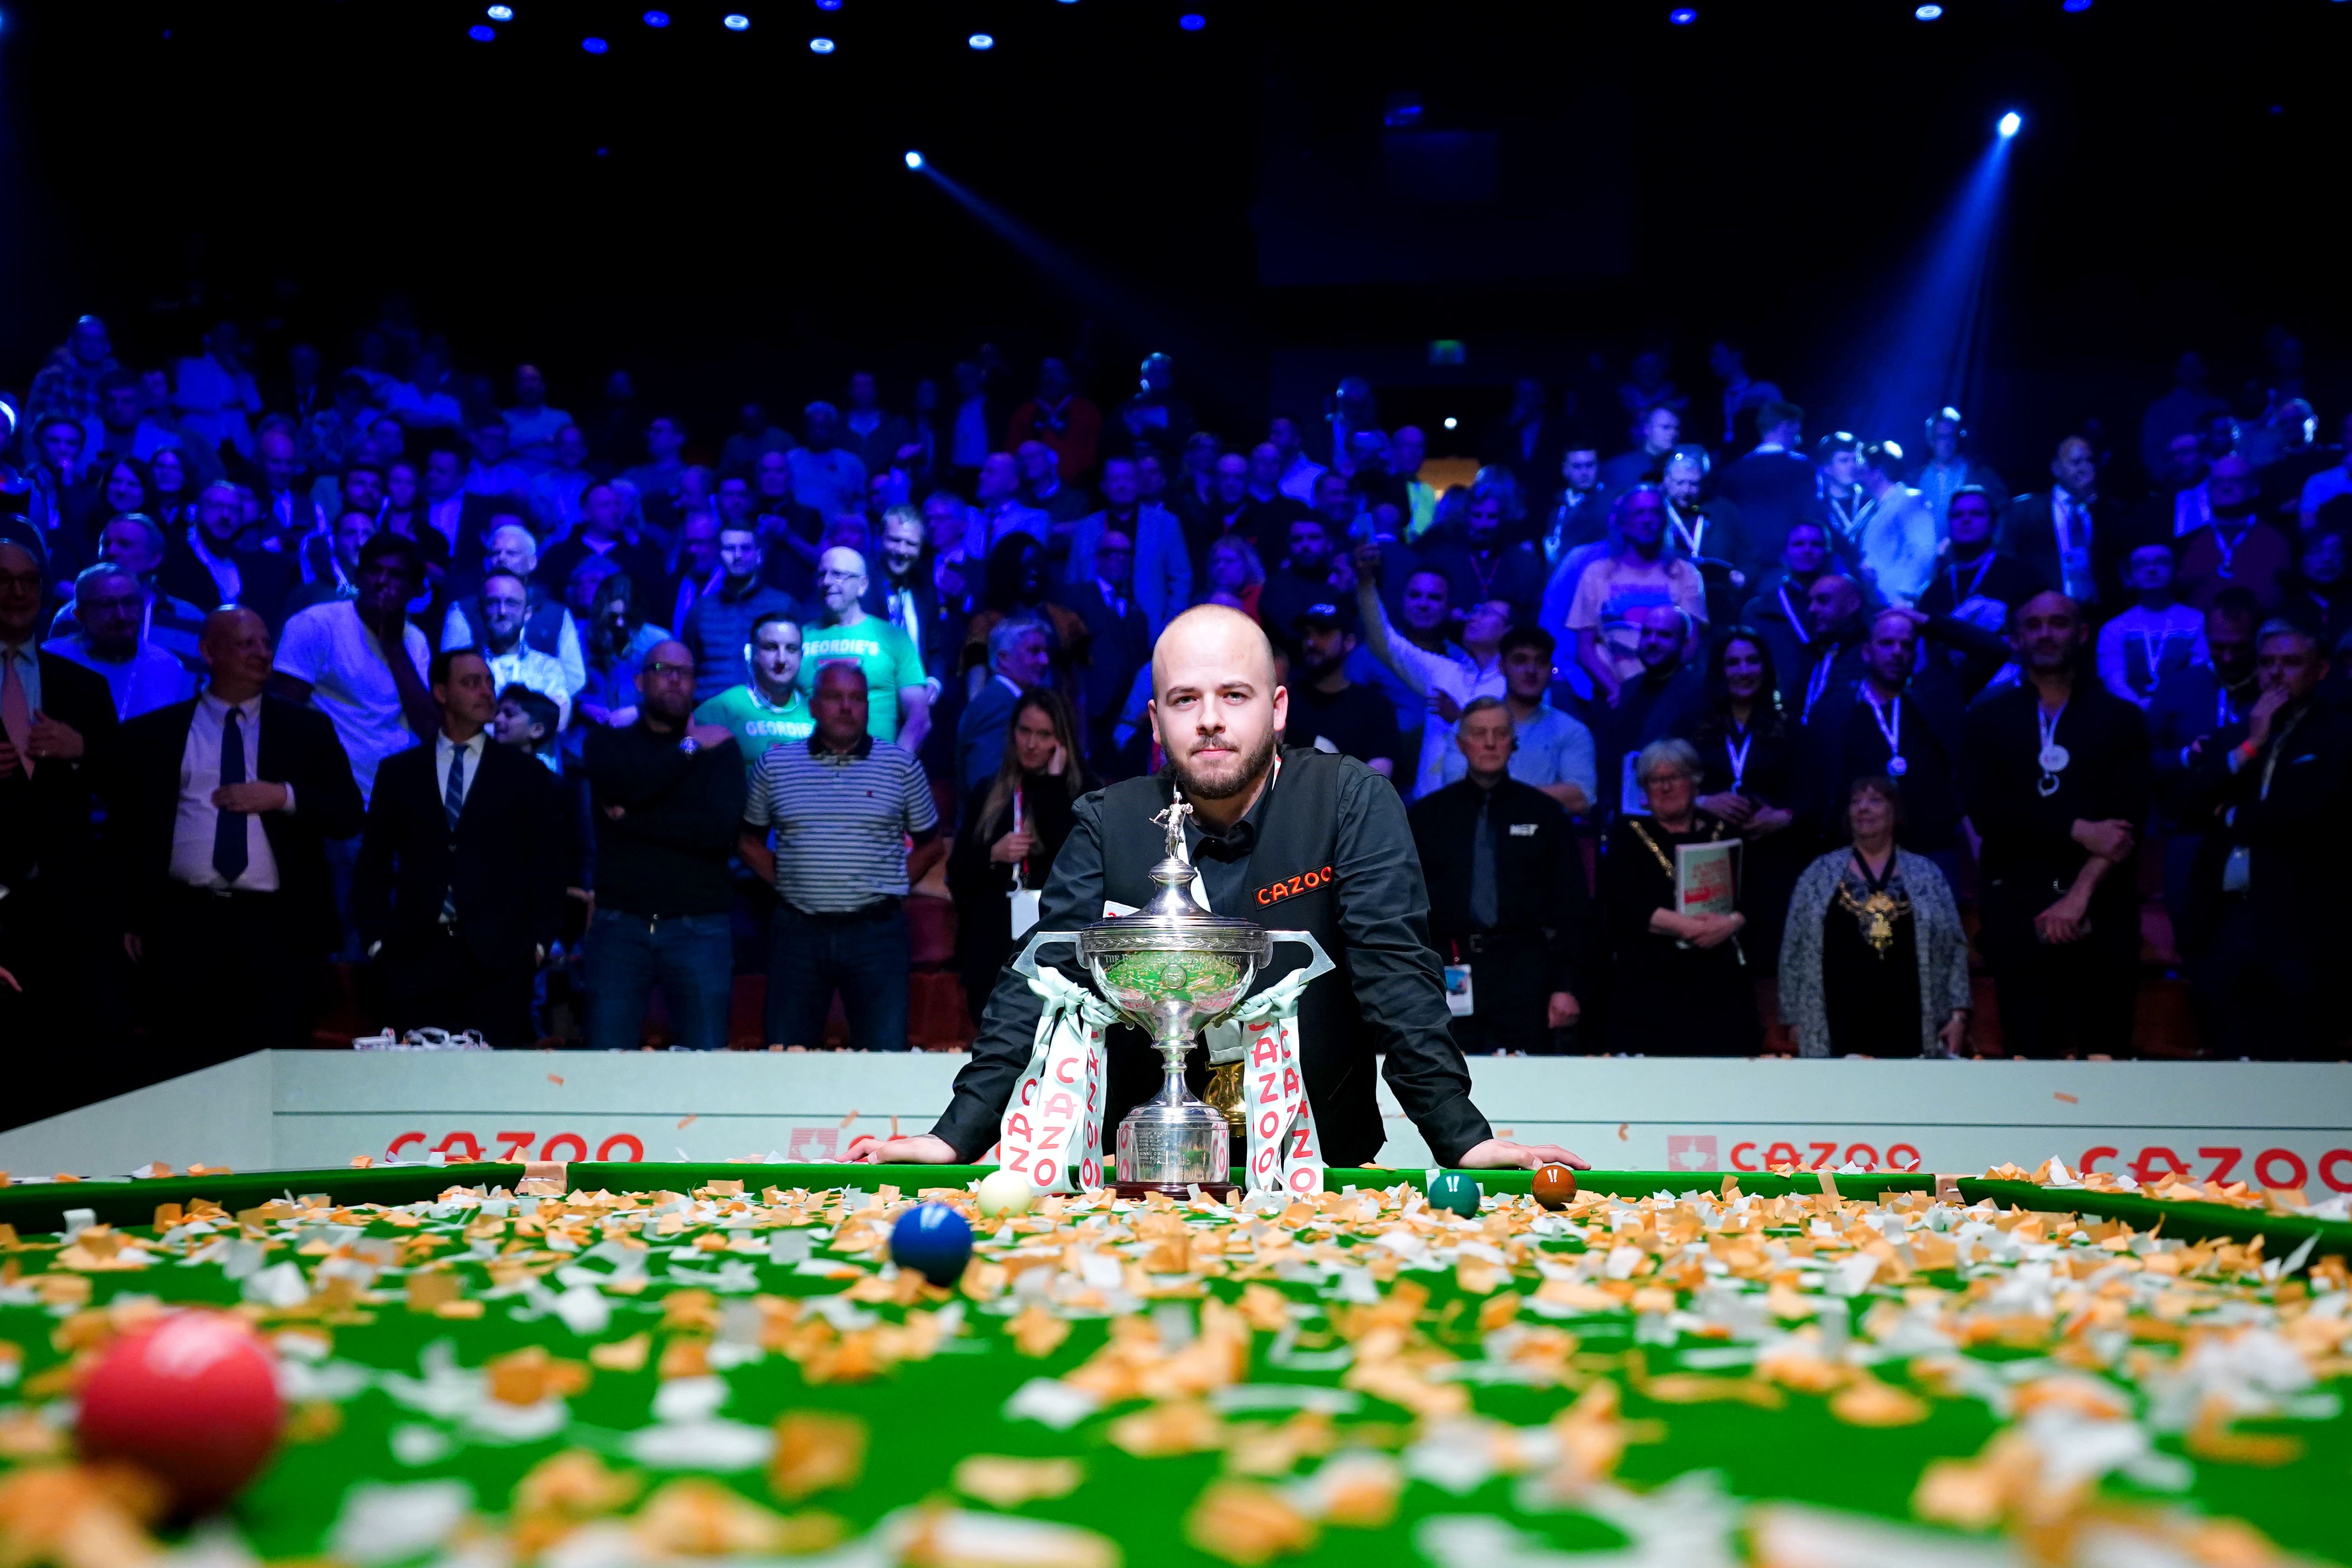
[(109, 609), (134, 543), (899, 700)]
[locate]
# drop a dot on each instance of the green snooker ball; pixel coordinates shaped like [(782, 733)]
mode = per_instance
[(1455, 1193)]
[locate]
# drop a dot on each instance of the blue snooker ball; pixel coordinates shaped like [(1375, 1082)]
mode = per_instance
[(933, 1240), (1455, 1193)]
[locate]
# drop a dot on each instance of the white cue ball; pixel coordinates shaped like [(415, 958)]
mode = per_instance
[(1003, 1192)]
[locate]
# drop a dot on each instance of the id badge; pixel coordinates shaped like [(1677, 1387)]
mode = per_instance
[(1025, 911), (1457, 990)]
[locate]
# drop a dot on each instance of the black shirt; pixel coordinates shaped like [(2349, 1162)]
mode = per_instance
[(1357, 720), (2028, 836), (1539, 888), (666, 854)]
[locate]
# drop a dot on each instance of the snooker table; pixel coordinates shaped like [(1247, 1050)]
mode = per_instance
[(657, 1364)]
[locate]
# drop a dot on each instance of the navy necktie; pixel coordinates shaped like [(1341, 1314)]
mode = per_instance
[(452, 802), (1485, 907), (230, 852)]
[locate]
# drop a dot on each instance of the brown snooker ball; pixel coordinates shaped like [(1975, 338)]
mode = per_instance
[(1555, 1185)]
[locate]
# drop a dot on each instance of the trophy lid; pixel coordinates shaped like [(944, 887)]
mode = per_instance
[(1172, 918)]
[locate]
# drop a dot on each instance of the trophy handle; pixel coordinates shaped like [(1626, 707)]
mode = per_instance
[(1321, 966), (1025, 965)]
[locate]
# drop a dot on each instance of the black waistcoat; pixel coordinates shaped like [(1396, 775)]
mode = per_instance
[(1286, 887)]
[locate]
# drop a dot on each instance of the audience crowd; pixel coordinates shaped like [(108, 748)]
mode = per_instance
[(1709, 724)]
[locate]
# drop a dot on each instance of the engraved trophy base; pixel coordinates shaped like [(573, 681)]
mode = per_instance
[(1172, 1143), (1223, 1191)]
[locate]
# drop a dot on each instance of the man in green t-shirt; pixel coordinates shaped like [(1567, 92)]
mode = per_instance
[(768, 710), (898, 704)]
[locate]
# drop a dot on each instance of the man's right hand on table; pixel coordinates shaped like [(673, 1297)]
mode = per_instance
[(922, 1149)]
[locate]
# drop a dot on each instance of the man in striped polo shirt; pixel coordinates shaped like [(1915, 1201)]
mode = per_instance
[(843, 806)]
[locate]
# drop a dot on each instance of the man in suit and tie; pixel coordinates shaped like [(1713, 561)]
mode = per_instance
[(56, 727), (1019, 657), (458, 892), (1118, 643), (218, 813), (2071, 539), (208, 568)]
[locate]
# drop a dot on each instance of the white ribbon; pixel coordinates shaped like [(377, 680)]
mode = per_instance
[(1052, 1130), (1285, 1152)]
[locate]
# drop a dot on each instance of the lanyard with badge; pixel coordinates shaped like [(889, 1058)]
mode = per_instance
[(1796, 621), (1737, 751), (2238, 871), (1890, 727), (1023, 897), (2053, 758)]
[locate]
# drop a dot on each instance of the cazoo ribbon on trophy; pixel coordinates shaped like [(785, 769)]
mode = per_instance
[(1286, 1154), (1052, 1130)]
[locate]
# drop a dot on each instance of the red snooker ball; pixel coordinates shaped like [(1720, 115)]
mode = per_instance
[(194, 1400), (1555, 1185)]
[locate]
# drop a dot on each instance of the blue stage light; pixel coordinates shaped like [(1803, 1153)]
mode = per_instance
[(2011, 123), (501, 13), (594, 45), (1682, 16), (1191, 21), (656, 19), (735, 21), (982, 41), (914, 159), (1928, 13), (481, 32), (820, 46), (828, 5), (2078, 4)]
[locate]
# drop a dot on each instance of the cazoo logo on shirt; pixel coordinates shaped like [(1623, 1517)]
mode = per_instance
[(1291, 888)]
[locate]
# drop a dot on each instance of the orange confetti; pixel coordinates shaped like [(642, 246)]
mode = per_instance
[(1620, 1130), (689, 1121), (2061, 1094), (845, 1120), (556, 1078)]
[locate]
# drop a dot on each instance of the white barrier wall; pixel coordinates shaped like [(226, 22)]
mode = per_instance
[(2279, 1124)]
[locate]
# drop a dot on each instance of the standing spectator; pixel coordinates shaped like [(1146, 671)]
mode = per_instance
[(1747, 748), (557, 489), (136, 545), (1118, 641), (1579, 519), (768, 710), (547, 626), (1894, 533), (110, 613), (1661, 429), (215, 394), (1660, 701), (603, 532), (1742, 393), (2186, 407), (1271, 511), (2237, 548), (843, 806), (755, 433), (428, 399), (1838, 496), (2327, 485), (694, 566), (513, 660), (1019, 657), (2193, 704), (1162, 568), (659, 479), (68, 386), (1234, 569), (457, 515), (121, 426), (2156, 636), (1408, 450), (1060, 417), (211, 569), (997, 510), (493, 471), (524, 721), (50, 480), (2071, 539), (1778, 615), (532, 428), (618, 639), (340, 579), (1678, 986), (1305, 577), (2315, 595), (1446, 682), (362, 663), (1948, 467), (1011, 836), (1329, 711), (1298, 472), (1552, 752), (2273, 869), (1506, 895), (1772, 485), (906, 594), (1706, 533), (666, 796), (1977, 582), (1640, 574), (221, 814), (1876, 961), (871, 433), (1833, 606), (57, 733), (458, 892), (1019, 584), (1155, 415), (719, 626), (1044, 488), (2054, 773), (898, 704), (1484, 566), (1889, 723), (827, 479)]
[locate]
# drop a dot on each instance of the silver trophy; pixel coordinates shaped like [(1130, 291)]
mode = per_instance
[(1172, 970)]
